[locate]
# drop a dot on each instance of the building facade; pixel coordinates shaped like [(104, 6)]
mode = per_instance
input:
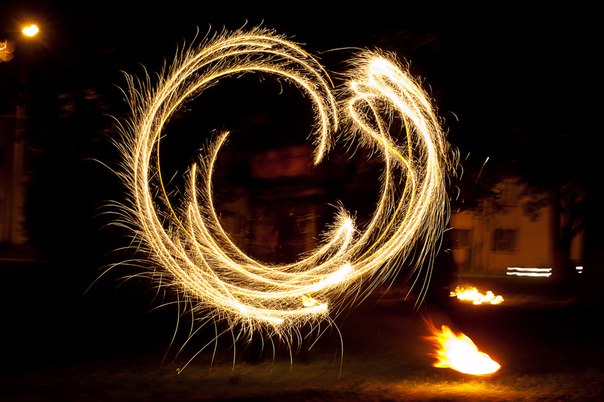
[(507, 240)]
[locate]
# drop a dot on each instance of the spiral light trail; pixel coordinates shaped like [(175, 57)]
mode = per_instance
[(192, 254)]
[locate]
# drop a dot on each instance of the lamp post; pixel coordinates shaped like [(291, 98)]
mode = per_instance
[(12, 151)]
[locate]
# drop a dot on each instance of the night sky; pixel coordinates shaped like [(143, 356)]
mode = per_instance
[(505, 66)]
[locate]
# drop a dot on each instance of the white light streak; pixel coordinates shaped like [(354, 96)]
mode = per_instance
[(189, 250), (530, 272)]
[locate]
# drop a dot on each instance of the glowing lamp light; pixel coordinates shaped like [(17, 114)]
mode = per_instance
[(458, 352), (474, 296), (7, 47), (30, 30)]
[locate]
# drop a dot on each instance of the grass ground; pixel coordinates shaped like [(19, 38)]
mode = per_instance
[(549, 351), (64, 347)]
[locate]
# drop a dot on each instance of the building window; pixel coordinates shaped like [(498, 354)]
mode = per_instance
[(504, 240), (460, 238)]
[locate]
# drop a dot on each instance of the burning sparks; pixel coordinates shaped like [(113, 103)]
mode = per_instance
[(194, 256), (474, 296), (458, 352)]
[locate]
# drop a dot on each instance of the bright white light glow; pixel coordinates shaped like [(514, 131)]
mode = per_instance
[(191, 253), (30, 30), (530, 272)]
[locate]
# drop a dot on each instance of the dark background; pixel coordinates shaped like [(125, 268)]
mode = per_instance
[(504, 79), (511, 83), (518, 87)]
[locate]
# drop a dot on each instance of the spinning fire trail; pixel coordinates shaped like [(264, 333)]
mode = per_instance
[(191, 253)]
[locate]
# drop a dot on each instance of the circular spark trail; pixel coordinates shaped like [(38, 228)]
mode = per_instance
[(193, 254)]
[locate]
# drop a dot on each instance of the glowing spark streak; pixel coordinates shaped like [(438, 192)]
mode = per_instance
[(205, 266)]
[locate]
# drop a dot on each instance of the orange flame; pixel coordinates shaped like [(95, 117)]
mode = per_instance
[(475, 296), (458, 352)]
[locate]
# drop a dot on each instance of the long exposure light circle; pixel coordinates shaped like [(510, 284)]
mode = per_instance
[(190, 251)]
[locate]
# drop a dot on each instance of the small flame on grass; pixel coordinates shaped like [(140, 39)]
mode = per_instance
[(458, 352), (474, 296)]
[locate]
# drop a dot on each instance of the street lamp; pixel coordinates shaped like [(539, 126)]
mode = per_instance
[(7, 46), (12, 145)]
